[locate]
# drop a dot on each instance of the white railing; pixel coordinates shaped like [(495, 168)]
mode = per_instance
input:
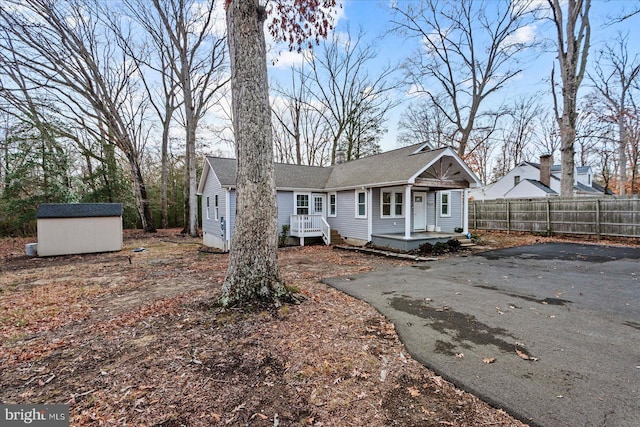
[(310, 226)]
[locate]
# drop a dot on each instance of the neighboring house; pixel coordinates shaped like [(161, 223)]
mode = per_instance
[(390, 199), (79, 228), (532, 180)]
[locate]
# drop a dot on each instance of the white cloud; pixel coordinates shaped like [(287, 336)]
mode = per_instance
[(523, 35)]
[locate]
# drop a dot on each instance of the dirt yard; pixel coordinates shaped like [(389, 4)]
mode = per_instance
[(135, 338)]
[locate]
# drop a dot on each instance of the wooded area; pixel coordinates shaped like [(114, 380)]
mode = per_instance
[(606, 216), (117, 101)]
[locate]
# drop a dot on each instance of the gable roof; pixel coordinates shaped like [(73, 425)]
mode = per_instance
[(286, 175), (395, 167), (541, 186), (78, 210)]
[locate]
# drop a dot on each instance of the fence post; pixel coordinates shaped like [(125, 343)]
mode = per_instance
[(598, 218), (548, 217), (508, 216)]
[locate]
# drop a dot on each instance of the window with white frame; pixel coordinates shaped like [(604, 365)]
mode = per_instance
[(361, 204), (333, 204), (391, 204), (216, 208), (445, 203), (302, 204), (207, 210)]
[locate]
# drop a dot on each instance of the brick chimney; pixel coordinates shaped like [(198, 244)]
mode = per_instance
[(341, 157), (546, 161)]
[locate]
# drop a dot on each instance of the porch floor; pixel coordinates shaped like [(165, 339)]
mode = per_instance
[(399, 242)]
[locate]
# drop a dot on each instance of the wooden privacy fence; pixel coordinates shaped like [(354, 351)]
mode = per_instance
[(605, 216)]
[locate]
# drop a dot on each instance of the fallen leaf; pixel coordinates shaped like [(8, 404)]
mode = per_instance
[(459, 355), (413, 391), (525, 356), (489, 359)]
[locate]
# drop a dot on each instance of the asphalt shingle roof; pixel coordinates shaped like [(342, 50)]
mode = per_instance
[(78, 210), (389, 168), (287, 176)]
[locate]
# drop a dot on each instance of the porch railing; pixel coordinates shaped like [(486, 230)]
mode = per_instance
[(310, 226)]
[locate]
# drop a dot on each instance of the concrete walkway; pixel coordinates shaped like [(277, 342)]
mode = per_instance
[(550, 332)]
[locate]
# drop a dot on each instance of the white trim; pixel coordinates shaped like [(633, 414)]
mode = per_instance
[(465, 211), (440, 194), (370, 209), (449, 152), (407, 217), (335, 194), (206, 209), (357, 203), (227, 211), (392, 204), (295, 202)]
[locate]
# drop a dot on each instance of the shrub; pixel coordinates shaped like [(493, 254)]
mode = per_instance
[(454, 245)]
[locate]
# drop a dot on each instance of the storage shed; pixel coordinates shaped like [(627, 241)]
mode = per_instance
[(79, 228)]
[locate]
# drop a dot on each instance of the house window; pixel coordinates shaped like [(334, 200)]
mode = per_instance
[(391, 204), (302, 204), (333, 200), (216, 207), (361, 204), (207, 211), (445, 203), (398, 204), (386, 203), (516, 180)]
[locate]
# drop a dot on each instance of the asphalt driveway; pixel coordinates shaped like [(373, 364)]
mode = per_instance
[(549, 332)]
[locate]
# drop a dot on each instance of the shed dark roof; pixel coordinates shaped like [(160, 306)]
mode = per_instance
[(79, 210)]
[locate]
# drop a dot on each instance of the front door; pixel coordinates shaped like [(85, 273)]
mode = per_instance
[(419, 211), (318, 203)]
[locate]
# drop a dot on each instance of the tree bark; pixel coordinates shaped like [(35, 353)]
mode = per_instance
[(253, 275)]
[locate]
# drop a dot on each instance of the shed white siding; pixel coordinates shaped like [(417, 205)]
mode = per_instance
[(66, 236)]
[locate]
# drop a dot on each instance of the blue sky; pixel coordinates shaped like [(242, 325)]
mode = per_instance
[(373, 17)]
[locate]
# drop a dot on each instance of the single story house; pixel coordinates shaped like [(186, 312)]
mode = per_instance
[(79, 228), (532, 180), (398, 198)]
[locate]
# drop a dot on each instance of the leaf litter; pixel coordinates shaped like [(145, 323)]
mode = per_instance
[(137, 339)]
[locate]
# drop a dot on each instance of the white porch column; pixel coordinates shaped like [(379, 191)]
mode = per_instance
[(407, 212), (465, 211), (369, 213)]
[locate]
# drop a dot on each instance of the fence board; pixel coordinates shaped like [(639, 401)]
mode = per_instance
[(606, 216)]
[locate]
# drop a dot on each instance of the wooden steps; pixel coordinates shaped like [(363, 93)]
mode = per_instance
[(466, 243), (336, 238)]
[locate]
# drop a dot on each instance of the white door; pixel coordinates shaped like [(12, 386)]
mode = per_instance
[(318, 202), (419, 211)]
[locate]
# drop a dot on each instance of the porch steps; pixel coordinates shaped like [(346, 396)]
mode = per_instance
[(336, 238), (466, 243)]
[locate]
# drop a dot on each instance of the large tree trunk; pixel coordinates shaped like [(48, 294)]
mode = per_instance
[(253, 274), (141, 196)]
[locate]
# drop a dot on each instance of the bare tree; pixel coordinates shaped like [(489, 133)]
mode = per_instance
[(253, 275), (344, 88), (518, 129), (613, 77), (424, 122), (65, 53), (301, 134), (573, 39), (198, 58), (547, 138), (468, 50)]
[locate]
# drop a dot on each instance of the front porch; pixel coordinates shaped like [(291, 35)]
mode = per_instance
[(400, 242), (303, 226)]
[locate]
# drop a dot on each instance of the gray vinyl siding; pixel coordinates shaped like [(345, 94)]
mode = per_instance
[(345, 221), (212, 189), (285, 208), (449, 224), (431, 208), (390, 224), (232, 212)]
